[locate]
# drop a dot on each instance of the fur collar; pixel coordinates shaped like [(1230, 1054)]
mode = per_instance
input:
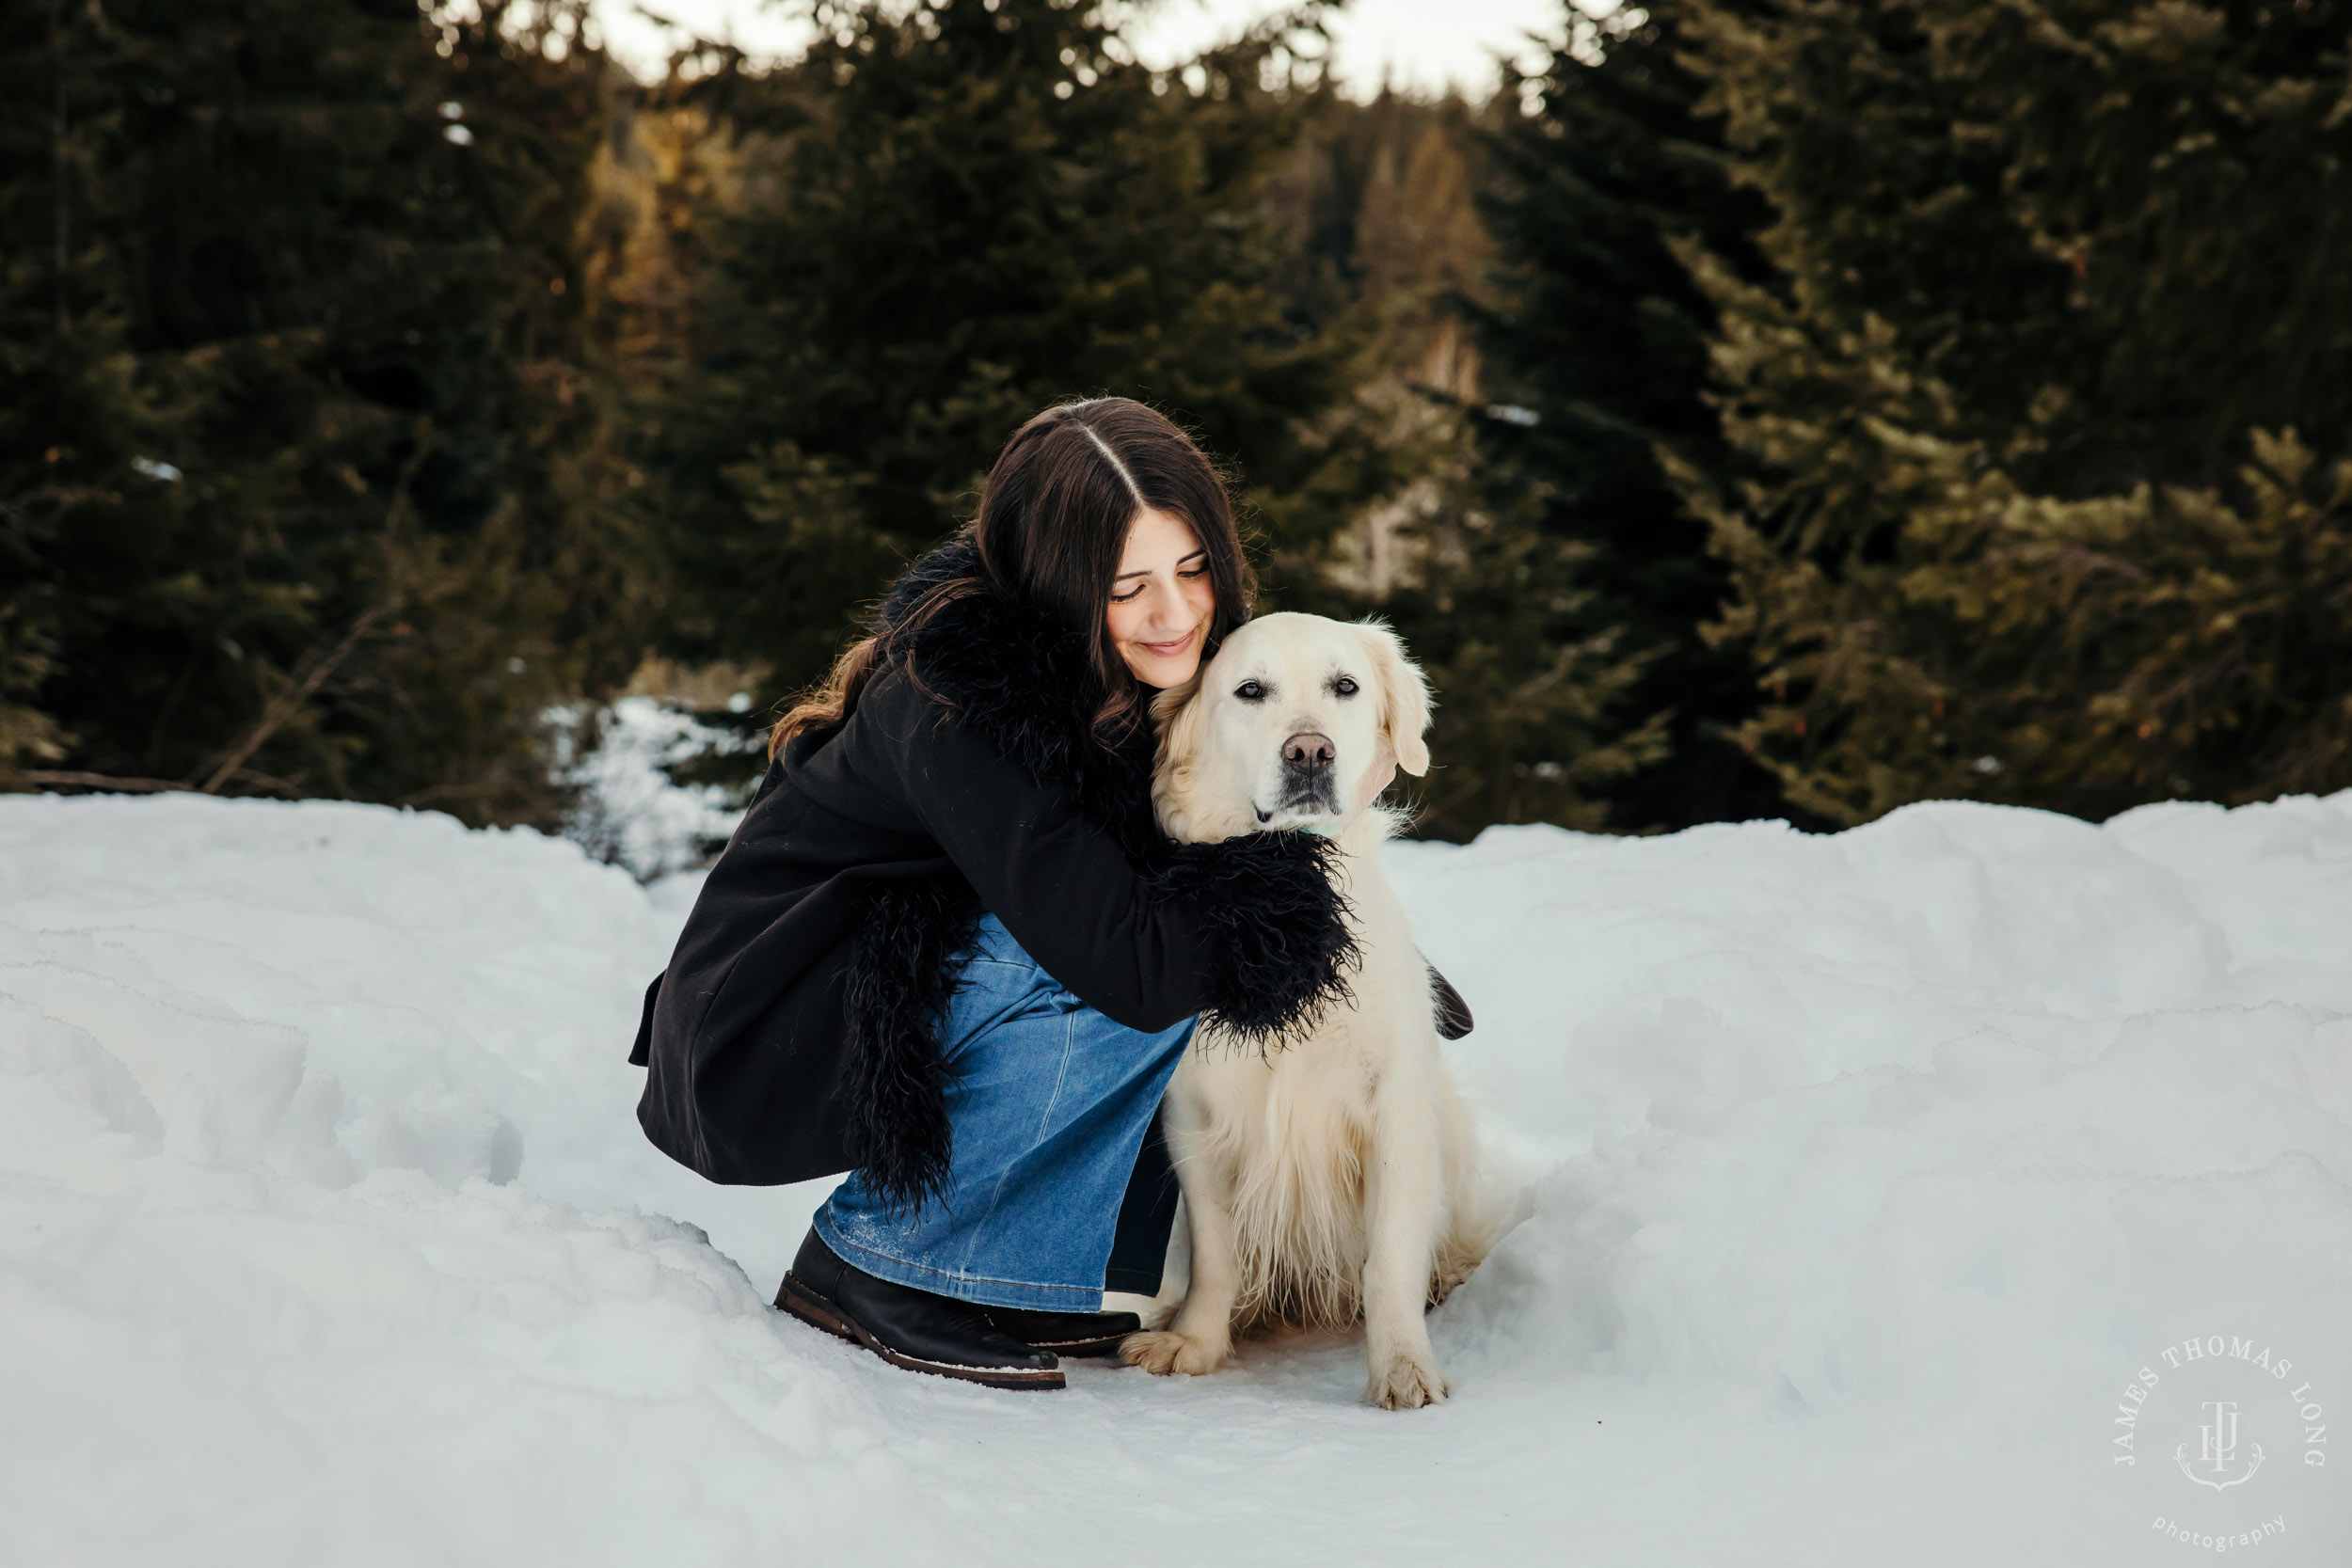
[(1023, 679)]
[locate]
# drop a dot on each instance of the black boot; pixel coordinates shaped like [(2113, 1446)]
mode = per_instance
[(1066, 1333), (907, 1327)]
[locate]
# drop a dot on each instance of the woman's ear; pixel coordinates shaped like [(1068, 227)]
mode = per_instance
[(1403, 696)]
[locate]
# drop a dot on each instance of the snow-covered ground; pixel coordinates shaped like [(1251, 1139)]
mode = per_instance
[(1863, 1177)]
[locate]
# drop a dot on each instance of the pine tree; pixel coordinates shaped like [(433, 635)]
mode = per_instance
[(945, 220), (298, 448), (1599, 345), (2167, 640), (2047, 273), (1375, 225), (1528, 725), (1377, 213)]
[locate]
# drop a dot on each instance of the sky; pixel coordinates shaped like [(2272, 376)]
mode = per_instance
[(1419, 45)]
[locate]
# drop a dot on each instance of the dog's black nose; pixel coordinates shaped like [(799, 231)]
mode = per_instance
[(1309, 753)]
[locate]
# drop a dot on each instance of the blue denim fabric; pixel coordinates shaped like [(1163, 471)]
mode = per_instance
[(1049, 1102)]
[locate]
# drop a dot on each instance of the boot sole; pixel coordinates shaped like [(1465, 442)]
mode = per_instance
[(1107, 1346), (818, 1312)]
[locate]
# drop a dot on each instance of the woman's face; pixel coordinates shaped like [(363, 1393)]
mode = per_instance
[(1162, 599)]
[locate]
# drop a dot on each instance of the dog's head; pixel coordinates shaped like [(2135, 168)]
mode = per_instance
[(1282, 727)]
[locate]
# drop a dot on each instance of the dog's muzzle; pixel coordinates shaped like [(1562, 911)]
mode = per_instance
[(1309, 778)]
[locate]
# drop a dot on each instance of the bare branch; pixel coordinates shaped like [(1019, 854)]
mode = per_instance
[(311, 673)]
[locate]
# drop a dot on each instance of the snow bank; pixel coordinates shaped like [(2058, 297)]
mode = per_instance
[(1937, 1130), (1860, 1177), (268, 1076)]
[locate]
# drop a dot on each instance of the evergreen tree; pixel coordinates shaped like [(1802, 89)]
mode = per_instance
[(943, 219), (2167, 641), (1530, 684), (1376, 213), (2182, 169), (298, 487), (1599, 345), (2043, 272)]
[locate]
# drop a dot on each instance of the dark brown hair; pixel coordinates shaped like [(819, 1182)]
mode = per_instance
[(1053, 520)]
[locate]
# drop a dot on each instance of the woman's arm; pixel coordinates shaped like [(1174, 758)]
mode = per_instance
[(1249, 930)]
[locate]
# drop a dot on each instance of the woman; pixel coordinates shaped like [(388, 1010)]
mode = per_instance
[(949, 951)]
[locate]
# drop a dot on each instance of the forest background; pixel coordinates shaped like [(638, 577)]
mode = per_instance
[(1769, 409)]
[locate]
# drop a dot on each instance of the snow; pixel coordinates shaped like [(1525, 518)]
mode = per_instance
[(1857, 1177), (631, 812)]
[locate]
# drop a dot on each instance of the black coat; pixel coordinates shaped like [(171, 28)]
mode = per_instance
[(793, 1035)]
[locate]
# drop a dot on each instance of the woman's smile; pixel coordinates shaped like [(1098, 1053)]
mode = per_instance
[(1175, 647)]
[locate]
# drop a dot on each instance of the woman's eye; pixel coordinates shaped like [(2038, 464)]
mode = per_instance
[(1345, 686), (1250, 691), (1129, 596)]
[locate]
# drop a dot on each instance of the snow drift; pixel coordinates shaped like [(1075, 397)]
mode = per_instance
[(1859, 1179)]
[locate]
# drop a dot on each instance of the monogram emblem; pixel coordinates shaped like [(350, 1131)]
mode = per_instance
[(2217, 1452)]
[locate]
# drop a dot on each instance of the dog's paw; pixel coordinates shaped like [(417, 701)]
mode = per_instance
[(1166, 1351), (1406, 1382)]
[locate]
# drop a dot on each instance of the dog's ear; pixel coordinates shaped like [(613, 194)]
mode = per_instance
[(1403, 696), (1180, 718)]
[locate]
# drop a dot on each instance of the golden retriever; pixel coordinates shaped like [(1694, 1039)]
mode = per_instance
[(1336, 1178)]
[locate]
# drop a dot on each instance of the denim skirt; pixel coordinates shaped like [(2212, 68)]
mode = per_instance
[(1049, 1103)]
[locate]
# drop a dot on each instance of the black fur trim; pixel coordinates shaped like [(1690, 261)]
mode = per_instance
[(1018, 676), (897, 985), (1280, 948), (1452, 1014)]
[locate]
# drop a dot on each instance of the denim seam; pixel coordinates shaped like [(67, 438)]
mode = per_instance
[(1037, 1136), (1061, 1076), (834, 1238)]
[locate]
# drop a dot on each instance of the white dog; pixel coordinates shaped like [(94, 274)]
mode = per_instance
[(1338, 1177)]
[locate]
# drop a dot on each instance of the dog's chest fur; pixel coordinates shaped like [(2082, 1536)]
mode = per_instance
[(1289, 1131)]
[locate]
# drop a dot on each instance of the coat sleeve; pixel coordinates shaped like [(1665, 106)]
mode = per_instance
[(1250, 932)]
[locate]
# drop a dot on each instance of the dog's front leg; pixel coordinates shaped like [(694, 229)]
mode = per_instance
[(1402, 1198), (1201, 1337)]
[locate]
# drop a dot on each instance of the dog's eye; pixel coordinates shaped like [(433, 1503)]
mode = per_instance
[(1250, 691), (1345, 686)]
